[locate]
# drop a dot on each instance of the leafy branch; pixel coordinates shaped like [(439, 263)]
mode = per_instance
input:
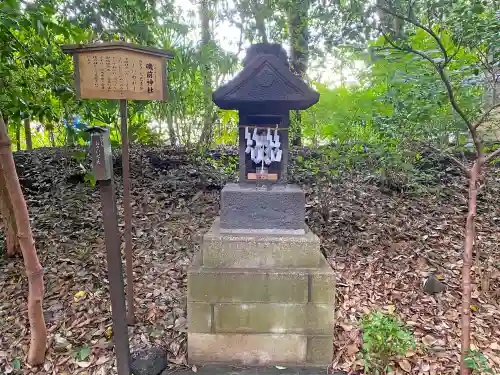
[(440, 68), (473, 173)]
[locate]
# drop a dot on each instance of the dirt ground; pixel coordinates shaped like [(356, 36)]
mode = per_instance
[(381, 243)]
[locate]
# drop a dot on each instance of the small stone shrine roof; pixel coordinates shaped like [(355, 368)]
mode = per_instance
[(265, 84)]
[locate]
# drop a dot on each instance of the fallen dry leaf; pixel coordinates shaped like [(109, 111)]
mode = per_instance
[(352, 349), (374, 231), (425, 367), (429, 340), (83, 364), (102, 360), (80, 294), (405, 365)]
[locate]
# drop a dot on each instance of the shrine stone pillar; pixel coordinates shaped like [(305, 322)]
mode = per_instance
[(260, 292)]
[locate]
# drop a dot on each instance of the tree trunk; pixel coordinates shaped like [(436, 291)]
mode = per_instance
[(260, 23), (299, 52), (51, 138), (10, 227), (206, 39), (11, 240), (467, 265), (392, 25), (296, 129), (27, 134), (171, 130), (34, 270), (18, 136)]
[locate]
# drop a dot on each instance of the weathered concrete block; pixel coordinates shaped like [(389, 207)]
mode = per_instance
[(222, 250), (323, 286), (199, 317), (247, 349), (228, 369), (319, 350), (260, 318), (320, 319), (245, 209), (273, 318), (246, 285)]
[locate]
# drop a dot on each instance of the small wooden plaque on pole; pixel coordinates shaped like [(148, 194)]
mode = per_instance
[(119, 70), (122, 71)]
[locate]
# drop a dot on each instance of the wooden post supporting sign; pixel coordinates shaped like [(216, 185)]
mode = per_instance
[(102, 163), (120, 71)]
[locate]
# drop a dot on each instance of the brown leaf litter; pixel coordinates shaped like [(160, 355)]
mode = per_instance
[(381, 244)]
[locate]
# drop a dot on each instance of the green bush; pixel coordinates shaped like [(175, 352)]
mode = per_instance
[(476, 361), (384, 339)]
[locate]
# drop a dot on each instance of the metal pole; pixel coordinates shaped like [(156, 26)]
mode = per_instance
[(127, 213), (115, 276)]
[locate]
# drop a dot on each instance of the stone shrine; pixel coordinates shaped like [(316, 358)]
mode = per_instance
[(260, 291)]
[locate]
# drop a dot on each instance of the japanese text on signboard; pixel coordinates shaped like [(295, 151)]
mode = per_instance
[(120, 75)]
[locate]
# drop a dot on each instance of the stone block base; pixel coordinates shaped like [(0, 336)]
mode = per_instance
[(223, 250), (245, 209), (260, 285), (260, 316), (260, 349), (260, 299)]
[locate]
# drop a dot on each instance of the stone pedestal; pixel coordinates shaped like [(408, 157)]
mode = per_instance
[(260, 292), (246, 209), (260, 299)]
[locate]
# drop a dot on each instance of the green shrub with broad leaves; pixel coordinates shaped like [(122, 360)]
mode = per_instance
[(385, 338), (476, 361)]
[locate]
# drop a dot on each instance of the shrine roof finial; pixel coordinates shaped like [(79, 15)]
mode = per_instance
[(265, 84), (266, 49)]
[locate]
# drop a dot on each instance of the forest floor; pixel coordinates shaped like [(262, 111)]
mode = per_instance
[(381, 243)]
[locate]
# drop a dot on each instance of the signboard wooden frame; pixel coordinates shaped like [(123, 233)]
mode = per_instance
[(119, 70)]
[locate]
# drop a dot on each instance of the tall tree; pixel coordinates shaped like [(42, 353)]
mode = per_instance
[(34, 270), (299, 51), (27, 134), (206, 15), (483, 36)]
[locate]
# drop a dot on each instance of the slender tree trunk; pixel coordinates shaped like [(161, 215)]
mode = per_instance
[(27, 134), (18, 136), (177, 130), (34, 270), (51, 138), (171, 130), (393, 25), (467, 265), (206, 41), (260, 23), (299, 53), (11, 240)]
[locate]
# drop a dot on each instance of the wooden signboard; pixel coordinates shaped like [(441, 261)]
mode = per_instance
[(119, 71)]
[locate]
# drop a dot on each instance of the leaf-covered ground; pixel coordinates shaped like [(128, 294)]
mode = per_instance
[(381, 243)]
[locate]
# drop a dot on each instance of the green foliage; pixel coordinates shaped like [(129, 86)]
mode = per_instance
[(477, 362), (228, 165), (80, 157), (16, 364), (384, 339), (82, 353), (398, 100)]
